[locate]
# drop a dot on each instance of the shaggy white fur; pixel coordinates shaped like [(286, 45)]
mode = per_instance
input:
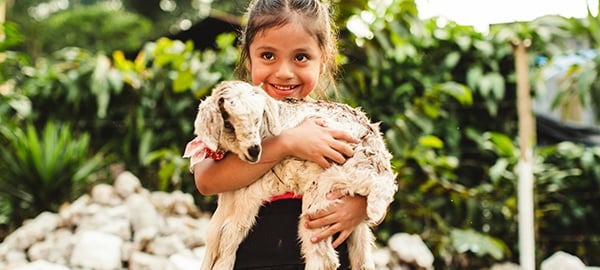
[(236, 117)]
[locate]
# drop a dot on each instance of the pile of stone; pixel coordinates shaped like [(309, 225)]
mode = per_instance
[(124, 226)]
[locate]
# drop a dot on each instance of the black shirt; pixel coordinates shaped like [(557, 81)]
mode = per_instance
[(272, 244)]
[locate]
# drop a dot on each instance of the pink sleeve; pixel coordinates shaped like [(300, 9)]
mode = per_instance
[(196, 151)]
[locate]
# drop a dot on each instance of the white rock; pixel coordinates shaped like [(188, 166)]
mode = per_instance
[(72, 214), (145, 261), (126, 184), (143, 237), (175, 203), (16, 257), (113, 220), (142, 213), (382, 257), (32, 231), (56, 248), (411, 249), (185, 261), (561, 261), (191, 230), (166, 245), (97, 250), (41, 265), (105, 194)]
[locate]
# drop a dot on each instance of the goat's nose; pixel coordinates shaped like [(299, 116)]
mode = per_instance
[(254, 151)]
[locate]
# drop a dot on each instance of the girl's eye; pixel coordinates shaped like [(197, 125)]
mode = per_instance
[(302, 57), (267, 56)]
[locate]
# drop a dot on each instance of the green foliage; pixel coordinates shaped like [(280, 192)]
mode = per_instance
[(444, 93), (567, 197), (39, 171), (137, 106), (12, 37), (429, 84), (96, 28), (567, 185), (15, 105), (69, 77), (472, 241)]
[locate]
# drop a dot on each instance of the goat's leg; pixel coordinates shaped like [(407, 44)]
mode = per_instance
[(213, 236), (360, 245), (235, 227), (320, 255)]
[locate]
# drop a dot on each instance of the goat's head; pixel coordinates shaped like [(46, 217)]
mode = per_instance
[(235, 118)]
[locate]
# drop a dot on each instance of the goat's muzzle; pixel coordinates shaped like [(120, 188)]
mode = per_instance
[(254, 153)]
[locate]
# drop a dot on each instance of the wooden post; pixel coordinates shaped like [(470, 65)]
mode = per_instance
[(525, 166), (2, 18)]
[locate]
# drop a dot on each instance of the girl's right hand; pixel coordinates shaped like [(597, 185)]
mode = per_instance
[(313, 141)]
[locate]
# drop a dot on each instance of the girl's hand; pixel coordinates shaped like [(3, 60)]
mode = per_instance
[(342, 217), (313, 141)]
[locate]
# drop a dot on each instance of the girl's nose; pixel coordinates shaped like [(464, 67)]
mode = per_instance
[(284, 71)]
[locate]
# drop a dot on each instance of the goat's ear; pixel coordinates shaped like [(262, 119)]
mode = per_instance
[(208, 123), (271, 115)]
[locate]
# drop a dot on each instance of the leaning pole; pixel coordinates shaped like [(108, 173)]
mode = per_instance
[(2, 18), (525, 166)]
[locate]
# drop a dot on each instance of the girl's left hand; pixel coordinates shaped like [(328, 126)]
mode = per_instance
[(342, 217)]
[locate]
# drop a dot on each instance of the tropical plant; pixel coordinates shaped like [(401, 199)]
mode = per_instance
[(97, 28), (41, 170)]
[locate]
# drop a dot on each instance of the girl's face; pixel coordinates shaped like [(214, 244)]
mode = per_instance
[(287, 60)]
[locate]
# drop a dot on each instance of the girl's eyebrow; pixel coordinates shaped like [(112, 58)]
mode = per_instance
[(297, 50), (268, 48)]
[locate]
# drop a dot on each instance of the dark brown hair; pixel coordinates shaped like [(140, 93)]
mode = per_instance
[(314, 16)]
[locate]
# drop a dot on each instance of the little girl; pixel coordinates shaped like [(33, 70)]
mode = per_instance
[(289, 47)]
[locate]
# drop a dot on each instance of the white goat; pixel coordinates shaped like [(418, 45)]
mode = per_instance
[(236, 117)]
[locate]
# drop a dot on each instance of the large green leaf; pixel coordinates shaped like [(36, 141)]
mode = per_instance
[(480, 244)]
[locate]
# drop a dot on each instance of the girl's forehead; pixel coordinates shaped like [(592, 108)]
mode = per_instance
[(292, 21), (286, 32), (285, 27)]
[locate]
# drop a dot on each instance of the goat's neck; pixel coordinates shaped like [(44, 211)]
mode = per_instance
[(292, 111)]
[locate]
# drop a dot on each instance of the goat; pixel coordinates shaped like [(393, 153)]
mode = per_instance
[(236, 117)]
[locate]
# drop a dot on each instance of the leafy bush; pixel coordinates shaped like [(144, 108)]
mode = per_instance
[(39, 171), (97, 28), (409, 74), (142, 108)]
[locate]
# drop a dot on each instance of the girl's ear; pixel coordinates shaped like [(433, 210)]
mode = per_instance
[(249, 66), (323, 68)]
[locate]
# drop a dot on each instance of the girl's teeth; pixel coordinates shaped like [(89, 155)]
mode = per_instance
[(284, 87)]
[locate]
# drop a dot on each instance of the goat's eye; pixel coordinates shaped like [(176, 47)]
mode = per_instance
[(228, 125)]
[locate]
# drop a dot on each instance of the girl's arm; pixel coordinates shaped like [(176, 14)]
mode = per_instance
[(231, 173), (309, 141)]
